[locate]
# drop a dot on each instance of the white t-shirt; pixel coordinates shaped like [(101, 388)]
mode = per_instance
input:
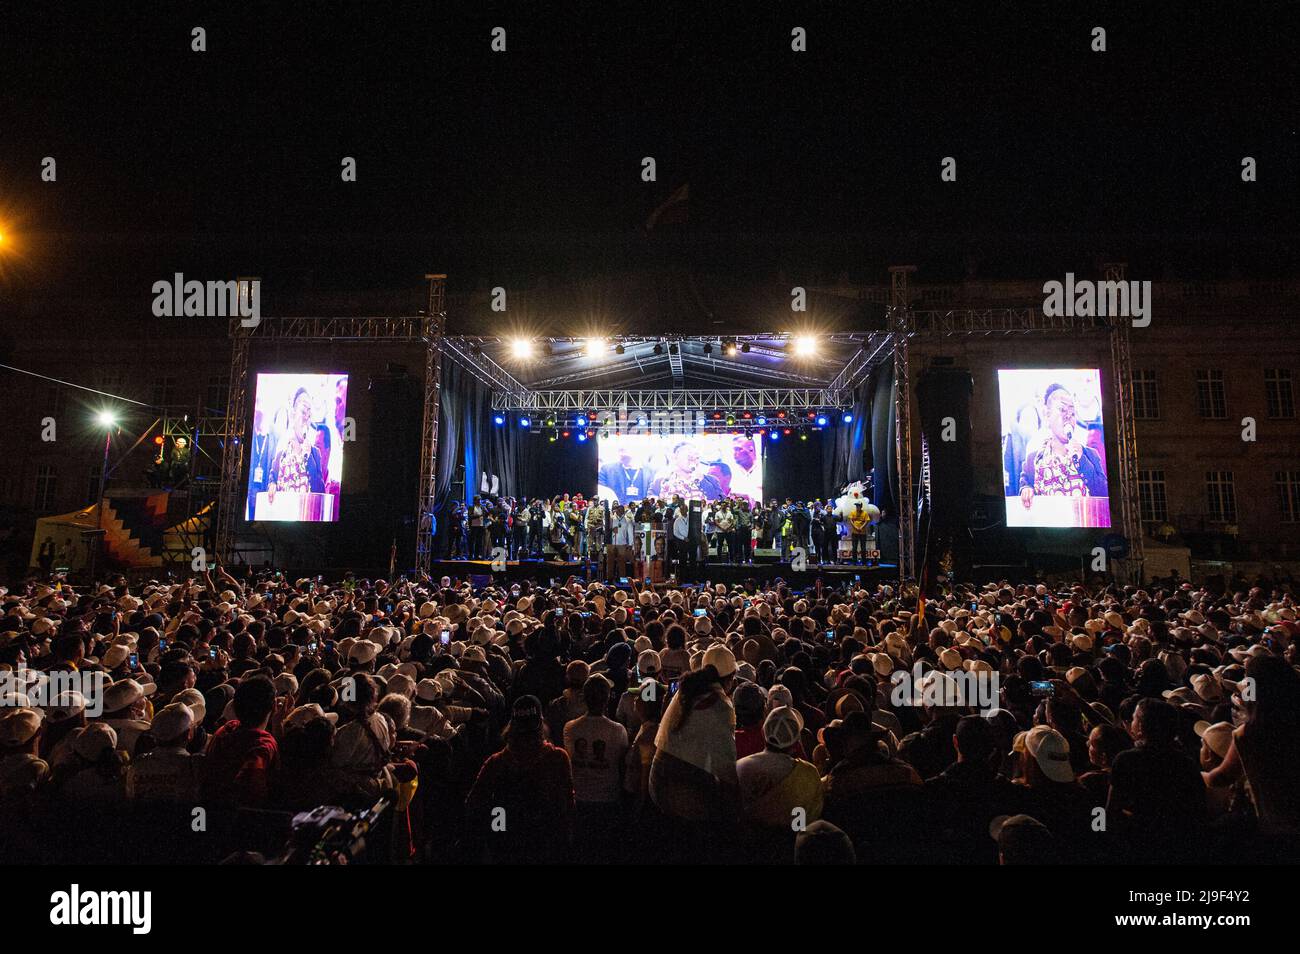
[(597, 747)]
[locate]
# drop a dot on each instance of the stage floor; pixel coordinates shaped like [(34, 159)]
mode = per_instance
[(555, 571)]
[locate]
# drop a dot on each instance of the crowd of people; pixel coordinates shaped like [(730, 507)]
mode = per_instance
[(590, 722), (574, 528)]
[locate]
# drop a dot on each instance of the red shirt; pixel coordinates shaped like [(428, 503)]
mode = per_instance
[(239, 765)]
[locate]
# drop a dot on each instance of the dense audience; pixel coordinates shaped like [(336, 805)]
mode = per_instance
[(596, 723)]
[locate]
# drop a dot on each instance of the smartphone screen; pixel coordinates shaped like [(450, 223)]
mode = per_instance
[(446, 637), (134, 660), (701, 612), (1041, 688), (830, 635)]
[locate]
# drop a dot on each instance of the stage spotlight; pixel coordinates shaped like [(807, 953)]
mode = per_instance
[(731, 419), (762, 420), (805, 346), (525, 422), (594, 347), (708, 347), (717, 416), (106, 419), (702, 421), (551, 438), (641, 422), (550, 422), (582, 420), (521, 348), (564, 434), (619, 349), (786, 431), (774, 436), (730, 349), (780, 414), (822, 420), (498, 420), (659, 348), (848, 418), (803, 437), (582, 436)]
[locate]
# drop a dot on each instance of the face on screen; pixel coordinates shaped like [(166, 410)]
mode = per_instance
[(295, 466), (1053, 448)]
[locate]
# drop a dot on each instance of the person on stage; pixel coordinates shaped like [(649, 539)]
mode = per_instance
[(1063, 466), (625, 480), (685, 479), (298, 466)]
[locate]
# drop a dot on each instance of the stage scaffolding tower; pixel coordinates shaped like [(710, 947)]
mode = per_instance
[(900, 327), (434, 327)]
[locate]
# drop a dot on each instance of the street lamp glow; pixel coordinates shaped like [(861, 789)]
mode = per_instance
[(106, 419)]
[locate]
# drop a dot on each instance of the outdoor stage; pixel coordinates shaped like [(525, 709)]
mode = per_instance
[(553, 571)]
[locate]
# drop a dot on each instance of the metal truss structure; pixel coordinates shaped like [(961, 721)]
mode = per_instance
[(669, 401), (423, 329), (806, 392)]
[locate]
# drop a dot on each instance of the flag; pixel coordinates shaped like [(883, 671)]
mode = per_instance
[(674, 209)]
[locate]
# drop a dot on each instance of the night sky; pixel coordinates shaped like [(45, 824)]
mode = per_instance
[(525, 165)]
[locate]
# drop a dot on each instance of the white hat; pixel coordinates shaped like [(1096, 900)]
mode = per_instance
[(305, 715), (1217, 736), (1049, 749), (363, 651), (720, 658), (648, 663), (172, 722), (782, 726), (193, 700)]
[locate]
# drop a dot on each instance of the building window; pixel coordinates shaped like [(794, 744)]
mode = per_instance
[(1220, 495), (1146, 396), (1210, 399), (1278, 393), (1152, 501), (47, 485), (164, 391), (1288, 490)]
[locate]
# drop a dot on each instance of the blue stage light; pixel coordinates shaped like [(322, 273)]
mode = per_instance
[(582, 420), (848, 418), (774, 436), (822, 420), (762, 420), (583, 436), (498, 420)]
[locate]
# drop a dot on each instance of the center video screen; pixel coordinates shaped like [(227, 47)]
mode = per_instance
[(295, 469), (701, 466), (1053, 448)]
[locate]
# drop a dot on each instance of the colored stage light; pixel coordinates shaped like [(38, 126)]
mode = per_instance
[(521, 348), (550, 422), (781, 414), (848, 418), (731, 420), (498, 420), (582, 436), (564, 433), (582, 420), (641, 422), (822, 420), (717, 416), (158, 440), (803, 437), (594, 347), (805, 346), (762, 420), (786, 431), (551, 438), (775, 436), (525, 422)]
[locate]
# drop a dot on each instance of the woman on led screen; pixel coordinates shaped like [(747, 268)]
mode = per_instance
[(685, 479), (1063, 466), (298, 465)]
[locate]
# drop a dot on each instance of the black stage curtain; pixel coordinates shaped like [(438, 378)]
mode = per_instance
[(884, 455), (945, 525), (846, 457)]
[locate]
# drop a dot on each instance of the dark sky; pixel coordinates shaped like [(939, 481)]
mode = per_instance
[(527, 163)]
